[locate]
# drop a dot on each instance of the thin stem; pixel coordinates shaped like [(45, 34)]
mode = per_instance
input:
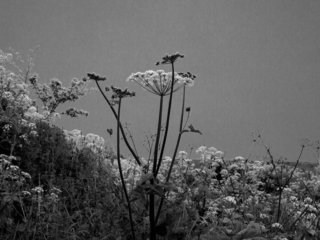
[(120, 125), (295, 166), (131, 138), (120, 170), (175, 150), (154, 169), (168, 117), (151, 214), (279, 203), (157, 138)]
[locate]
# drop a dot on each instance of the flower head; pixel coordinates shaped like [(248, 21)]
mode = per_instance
[(159, 82), (95, 77), (119, 93), (169, 59)]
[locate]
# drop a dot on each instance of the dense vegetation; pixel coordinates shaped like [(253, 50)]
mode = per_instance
[(59, 184)]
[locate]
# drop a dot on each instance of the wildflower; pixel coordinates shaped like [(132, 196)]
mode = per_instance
[(26, 175), (230, 199), (8, 95), (119, 93), (37, 190), (219, 154), (14, 168), (9, 57), (159, 82), (182, 154), (307, 200), (32, 113), (169, 59), (26, 193), (277, 226), (239, 158), (12, 158), (293, 198), (95, 77), (73, 112), (264, 216), (233, 167), (224, 172)]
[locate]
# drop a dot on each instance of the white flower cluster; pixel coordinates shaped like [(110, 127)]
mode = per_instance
[(92, 141), (210, 153), (159, 82), (5, 57)]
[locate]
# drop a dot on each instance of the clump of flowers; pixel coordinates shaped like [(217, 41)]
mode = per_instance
[(159, 82), (90, 140)]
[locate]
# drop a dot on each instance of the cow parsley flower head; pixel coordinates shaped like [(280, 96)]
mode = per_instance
[(239, 158), (159, 82)]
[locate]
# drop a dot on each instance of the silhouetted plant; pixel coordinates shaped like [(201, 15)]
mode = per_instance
[(161, 84)]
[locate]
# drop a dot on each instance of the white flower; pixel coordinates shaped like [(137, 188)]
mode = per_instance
[(182, 154), (224, 172), (219, 154), (26, 193), (239, 158), (9, 57), (230, 199), (8, 95), (14, 167), (264, 216), (159, 82), (32, 110), (26, 175), (277, 225), (37, 190)]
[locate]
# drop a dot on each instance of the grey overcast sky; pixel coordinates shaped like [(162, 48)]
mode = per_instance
[(257, 62)]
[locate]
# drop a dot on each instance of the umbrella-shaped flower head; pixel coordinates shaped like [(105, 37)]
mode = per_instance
[(159, 82)]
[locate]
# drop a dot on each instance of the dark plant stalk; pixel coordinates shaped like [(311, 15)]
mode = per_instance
[(154, 170), (280, 183), (157, 138), (179, 136), (279, 203), (151, 213), (168, 117), (120, 125), (295, 166), (120, 170), (175, 151), (281, 187)]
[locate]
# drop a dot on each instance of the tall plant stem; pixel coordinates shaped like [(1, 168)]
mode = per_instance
[(154, 170), (175, 150), (168, 119), (120, 170), (120, 125), (157, 138), (152, 233)]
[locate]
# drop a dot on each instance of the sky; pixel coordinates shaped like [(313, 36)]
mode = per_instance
[(257, 64)]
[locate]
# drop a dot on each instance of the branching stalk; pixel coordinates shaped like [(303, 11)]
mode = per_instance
[(120, 125), (157, 138), (168, 116), (175, 151), (120, 170)]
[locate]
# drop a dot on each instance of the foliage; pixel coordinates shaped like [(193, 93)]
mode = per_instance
[(60, 184)]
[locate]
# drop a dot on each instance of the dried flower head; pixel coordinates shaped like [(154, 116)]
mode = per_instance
[(169, 59), (96, 77), (119, 93)]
